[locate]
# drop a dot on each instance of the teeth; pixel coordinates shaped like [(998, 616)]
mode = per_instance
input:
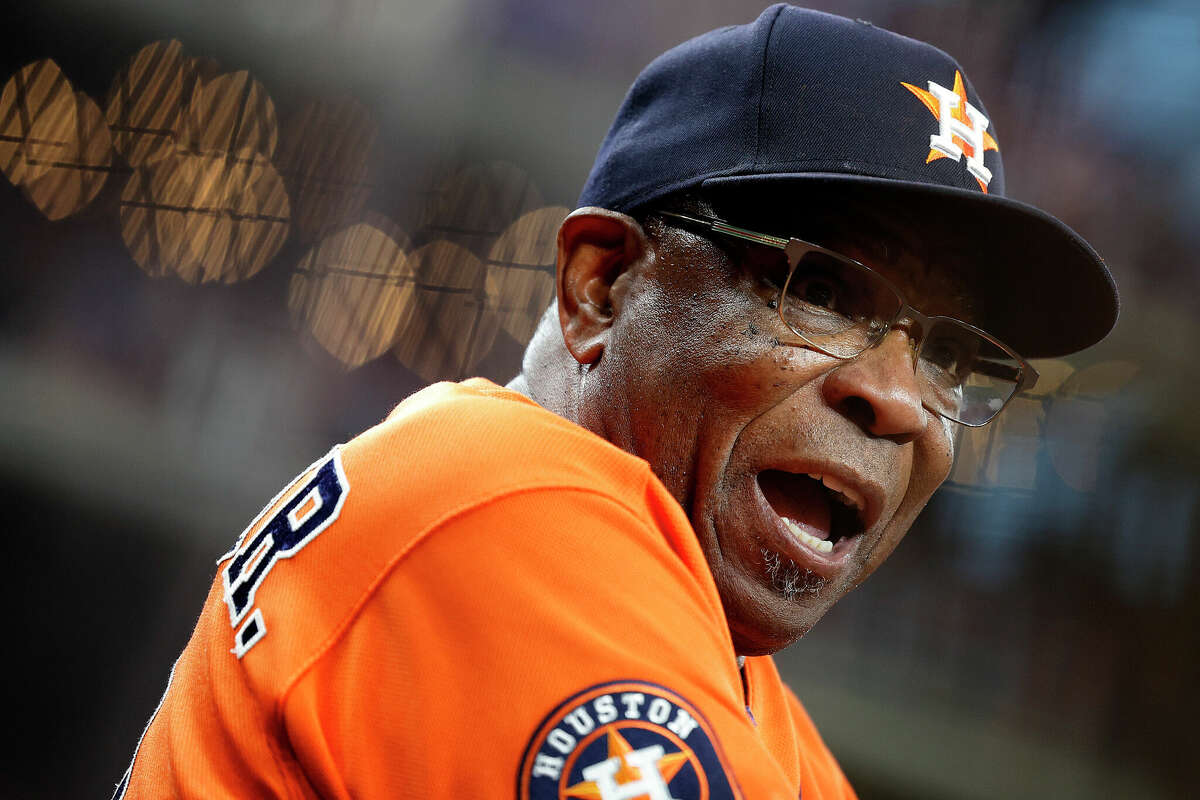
[(843, 494), (820, 545)]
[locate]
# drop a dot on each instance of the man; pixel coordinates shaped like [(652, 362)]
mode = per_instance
[(791, 276)]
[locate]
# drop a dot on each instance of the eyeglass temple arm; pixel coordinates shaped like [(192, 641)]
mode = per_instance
[(730, 230), (1025, 375)]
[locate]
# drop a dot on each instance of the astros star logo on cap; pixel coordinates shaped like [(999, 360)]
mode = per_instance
[(962, 128)]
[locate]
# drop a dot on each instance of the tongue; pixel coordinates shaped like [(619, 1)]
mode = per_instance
[(799, 498)]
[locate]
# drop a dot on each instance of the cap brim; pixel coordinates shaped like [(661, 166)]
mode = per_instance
[(1036, 284)]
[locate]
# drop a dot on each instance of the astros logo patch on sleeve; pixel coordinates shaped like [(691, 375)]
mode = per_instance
[(623, 741)]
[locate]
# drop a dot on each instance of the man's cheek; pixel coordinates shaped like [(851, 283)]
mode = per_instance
[(933, 459), (952, 431), (752, 370), (946, 448)]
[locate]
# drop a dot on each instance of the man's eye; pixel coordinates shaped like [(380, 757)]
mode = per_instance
[(815, 290), (943, 353)]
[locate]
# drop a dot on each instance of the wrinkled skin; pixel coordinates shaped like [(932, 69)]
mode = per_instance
[(673, 353)]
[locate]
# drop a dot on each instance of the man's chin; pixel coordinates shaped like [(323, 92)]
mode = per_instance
[(764, 619)]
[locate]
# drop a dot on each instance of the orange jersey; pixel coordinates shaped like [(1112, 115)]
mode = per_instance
[(475, 598)]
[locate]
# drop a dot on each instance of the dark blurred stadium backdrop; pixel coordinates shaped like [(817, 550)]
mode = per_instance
[(234, 232)]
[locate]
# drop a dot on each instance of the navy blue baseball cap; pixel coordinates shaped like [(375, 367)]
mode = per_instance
[(802, 103)]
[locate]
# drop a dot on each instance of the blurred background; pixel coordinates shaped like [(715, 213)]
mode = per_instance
[(237, 232)]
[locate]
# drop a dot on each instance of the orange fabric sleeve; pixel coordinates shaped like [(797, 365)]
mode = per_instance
[(487, 625)]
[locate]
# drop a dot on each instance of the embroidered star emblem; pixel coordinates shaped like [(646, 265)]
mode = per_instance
[(668, 766), (959, 113)]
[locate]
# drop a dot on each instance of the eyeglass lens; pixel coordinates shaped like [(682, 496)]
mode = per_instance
[(844, 309)]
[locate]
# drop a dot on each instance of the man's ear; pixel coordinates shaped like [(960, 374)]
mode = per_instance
[(596, 250)]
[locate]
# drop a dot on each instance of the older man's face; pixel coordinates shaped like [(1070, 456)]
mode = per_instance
[(746, 432)]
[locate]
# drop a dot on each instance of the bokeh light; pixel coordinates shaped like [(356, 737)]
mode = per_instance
[(351, 292), (475, 204), (147, 101), (80, 170), (230, 114), (520, 270), (138, 229), (205, 218), (325, 157), (38, 121), (449, 328)]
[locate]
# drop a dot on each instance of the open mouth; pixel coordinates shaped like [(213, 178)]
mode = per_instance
[(818, 510)]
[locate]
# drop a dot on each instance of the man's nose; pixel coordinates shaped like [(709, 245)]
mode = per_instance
[(880, 390)]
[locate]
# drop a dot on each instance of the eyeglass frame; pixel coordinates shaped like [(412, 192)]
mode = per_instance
[(907, 316)]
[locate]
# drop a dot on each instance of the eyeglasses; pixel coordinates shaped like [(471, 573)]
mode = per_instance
[(842, 308)]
